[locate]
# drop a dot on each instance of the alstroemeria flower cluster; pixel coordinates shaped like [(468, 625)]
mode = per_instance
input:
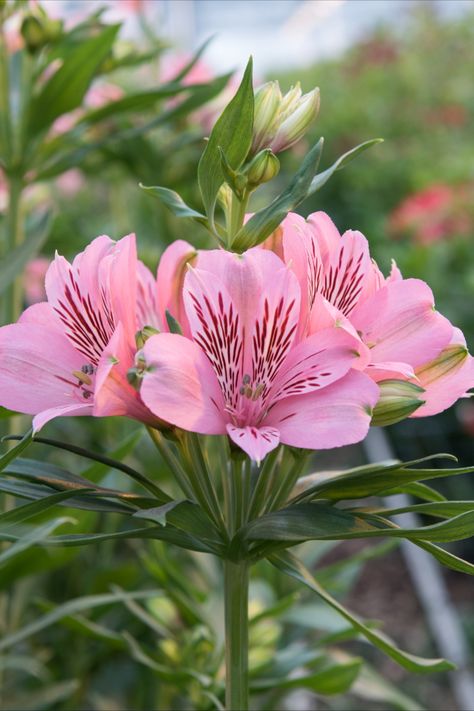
[(291, 343), (401, 335)]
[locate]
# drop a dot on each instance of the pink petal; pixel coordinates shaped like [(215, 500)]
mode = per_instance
[(113, 394), (301, 251), (37, 367), (315, 363), (170, 278), (399, 323), (346, 270), (447, 378), (257, 442), (390, 371), (326, 232), (45, 416), (118, 277), (41, 314), (180, 385), (148, 312), (338, 415)]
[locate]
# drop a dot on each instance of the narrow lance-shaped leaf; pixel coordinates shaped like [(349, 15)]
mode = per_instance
[(66, 88), (290, 565), (175, 203), (37, 535), (341, 162), (233, 133)]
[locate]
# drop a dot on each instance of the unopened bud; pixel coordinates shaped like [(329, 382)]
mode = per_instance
[(449, 360), (267, 109), (224, 197), (398, 400), (142, 336), (264, 167), (295, 125), (290, 101), (38, 31)]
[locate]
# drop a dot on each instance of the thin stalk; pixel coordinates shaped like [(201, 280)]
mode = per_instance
[(172, 462), (258, 498), (15, 236), (285, 485), (200, 479), (236, 586)]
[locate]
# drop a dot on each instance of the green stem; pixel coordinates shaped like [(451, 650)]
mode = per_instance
[(236, 586), (236, 217), (13, 298)]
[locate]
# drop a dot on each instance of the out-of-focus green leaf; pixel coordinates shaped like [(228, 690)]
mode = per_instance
[(80, 604), (66, 88), (35, 536), (448, 559), (334, 679), (371, 686), (44, 698), (37, 235), (233, 133), (319, 180), (288, 564), (264, 222)]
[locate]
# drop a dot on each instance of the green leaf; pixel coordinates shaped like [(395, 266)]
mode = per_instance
[(175, 203), (66, 88), (87, 602), (10, 455), (334, 679), (37, 535), (158, 514), (290, 565), (158, 493), (44, 698), (448, 559), (37, 235), (233, 133), (362, 482), (173, 324), (416, 488), (320, 522), (442, 509), (23, 513), (321, 179), (264, 222), (371, 686)]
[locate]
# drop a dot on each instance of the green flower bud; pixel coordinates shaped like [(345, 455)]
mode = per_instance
[(142, 336), (267, 108), (398, 400), (264, 167), (38, 31), (300, 113)]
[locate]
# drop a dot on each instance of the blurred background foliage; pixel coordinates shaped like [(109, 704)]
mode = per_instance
[(123, 625)]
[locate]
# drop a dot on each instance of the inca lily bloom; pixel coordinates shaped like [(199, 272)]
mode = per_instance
[(71, 354), (395, 318), (245, 373)]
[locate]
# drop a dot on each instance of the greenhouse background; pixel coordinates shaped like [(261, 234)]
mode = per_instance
[(395, 69)]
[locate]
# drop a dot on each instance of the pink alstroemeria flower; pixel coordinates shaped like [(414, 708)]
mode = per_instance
[(71, 354), (404, 336), (244, 372)]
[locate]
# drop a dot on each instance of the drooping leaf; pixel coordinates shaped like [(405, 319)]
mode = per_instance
[(80, 604), (23, 513), (290, 565), (264, 222), (233, 133), (441, 509)]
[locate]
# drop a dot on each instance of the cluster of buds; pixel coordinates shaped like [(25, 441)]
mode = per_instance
[(281, 120), (38, 29)]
